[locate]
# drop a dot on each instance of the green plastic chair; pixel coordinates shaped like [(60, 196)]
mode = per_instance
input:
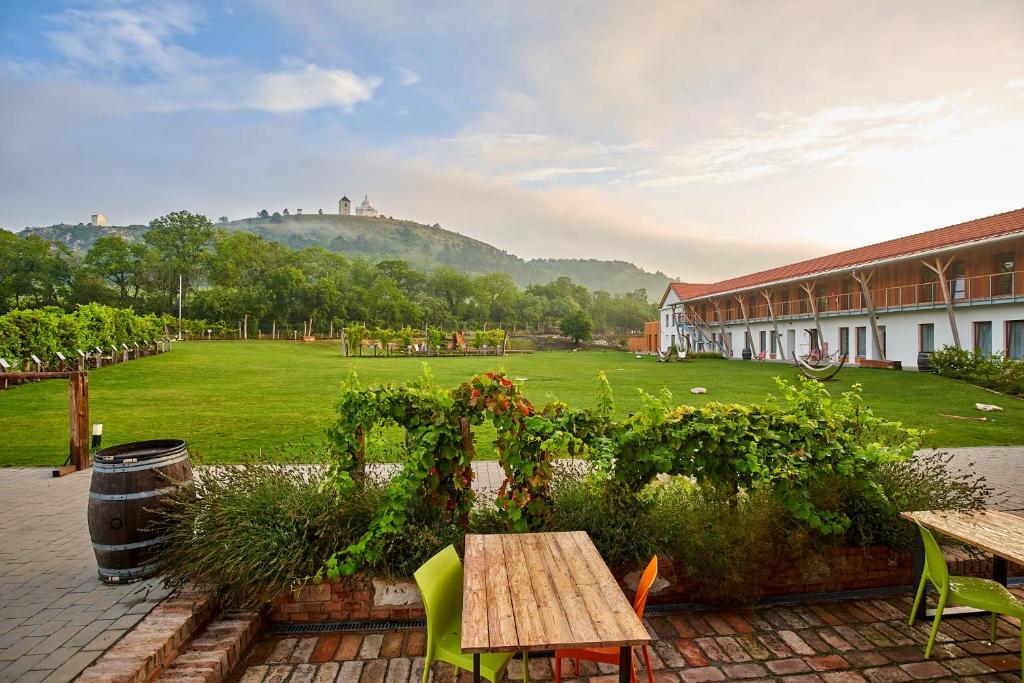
[(965, 591), (440, 584)]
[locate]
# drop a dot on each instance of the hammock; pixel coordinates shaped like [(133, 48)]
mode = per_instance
[(819, 374)]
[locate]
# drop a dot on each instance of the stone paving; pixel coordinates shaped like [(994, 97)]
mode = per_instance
[(835, 642), (1002, 467), (56, 616)]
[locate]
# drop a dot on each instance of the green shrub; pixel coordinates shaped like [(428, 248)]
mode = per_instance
[(926, 482), (727, 546), (990, 371), (255, 530)]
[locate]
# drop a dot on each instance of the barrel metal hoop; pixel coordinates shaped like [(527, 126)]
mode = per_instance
[(129, 573), (135, 467), (129, 546), (132, 496)]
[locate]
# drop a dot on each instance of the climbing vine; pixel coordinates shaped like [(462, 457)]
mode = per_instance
[(786, 446)]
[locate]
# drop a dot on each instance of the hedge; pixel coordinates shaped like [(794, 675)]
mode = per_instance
[(45, 331)]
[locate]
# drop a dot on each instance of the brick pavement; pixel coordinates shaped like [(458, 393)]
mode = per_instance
[(834, 642), (1002, 466), (56, 616)]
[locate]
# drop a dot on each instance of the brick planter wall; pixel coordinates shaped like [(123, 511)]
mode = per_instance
[(364, 597), (357, 598)]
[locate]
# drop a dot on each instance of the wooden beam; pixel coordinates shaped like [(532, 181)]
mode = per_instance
[(809, 290), (721, 325), (939, 269), (746, 320), (767, 294), (864, 279)]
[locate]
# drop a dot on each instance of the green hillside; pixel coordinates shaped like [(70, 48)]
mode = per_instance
[(423, 246)]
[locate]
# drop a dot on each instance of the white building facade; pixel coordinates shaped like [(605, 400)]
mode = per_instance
[(957, 286)]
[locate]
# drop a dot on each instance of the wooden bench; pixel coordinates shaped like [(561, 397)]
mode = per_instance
[(881, 364)]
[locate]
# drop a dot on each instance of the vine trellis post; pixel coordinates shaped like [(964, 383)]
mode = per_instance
[(78, 414)]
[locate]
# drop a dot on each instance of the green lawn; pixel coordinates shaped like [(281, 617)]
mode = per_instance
[(228, 398)]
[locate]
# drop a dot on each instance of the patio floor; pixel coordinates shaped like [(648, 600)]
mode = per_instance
[(857, 640), (56, 617)]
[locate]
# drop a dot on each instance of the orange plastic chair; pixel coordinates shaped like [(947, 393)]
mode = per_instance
[(610, 655)]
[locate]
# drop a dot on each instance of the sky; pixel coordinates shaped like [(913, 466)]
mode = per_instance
[(702, 139)]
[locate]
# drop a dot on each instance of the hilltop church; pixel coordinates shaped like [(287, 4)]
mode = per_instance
[(364, 209)]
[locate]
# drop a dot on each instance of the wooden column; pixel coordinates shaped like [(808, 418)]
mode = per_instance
[(746, 321), (721, 325), (767, 294), (939, 268), (864, 280), (78, 412), (808, 288)]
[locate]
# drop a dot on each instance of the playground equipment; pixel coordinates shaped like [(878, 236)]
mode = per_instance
[(820, 373)]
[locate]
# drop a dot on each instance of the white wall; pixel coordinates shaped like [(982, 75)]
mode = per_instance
[(901, 329)]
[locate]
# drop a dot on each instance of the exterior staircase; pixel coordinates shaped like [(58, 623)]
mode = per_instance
[(690, 326)]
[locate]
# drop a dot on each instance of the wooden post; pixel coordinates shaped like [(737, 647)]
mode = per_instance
[(809, 289), (939, 269), (273, 330), (767, 294), (245, 327), (721, 326), (330, 333), (746, 321), (864, 279), (344, 343)]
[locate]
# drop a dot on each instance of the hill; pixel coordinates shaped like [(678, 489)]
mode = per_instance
[(423, 246)]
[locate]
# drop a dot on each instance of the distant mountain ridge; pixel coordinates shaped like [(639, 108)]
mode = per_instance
[(423, 246)]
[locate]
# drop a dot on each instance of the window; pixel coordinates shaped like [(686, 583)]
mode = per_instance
[(844, 341), (775, 342), (956, 281), (983, 338), (762, 347), (1002, 281), (1015, 339), (862, 341), (926, 337), (673, 342), (666, 320)]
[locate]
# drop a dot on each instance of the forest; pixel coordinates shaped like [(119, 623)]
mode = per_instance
[(227, 276)]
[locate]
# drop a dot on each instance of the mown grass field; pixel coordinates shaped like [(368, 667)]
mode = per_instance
[(231, 398)]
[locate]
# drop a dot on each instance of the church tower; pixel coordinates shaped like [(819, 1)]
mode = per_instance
[(344, 207)]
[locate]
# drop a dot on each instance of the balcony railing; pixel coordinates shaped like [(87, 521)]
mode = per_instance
[(980, 289)]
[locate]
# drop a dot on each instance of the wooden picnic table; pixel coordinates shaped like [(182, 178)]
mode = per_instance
[(540, 592), (999, 533)]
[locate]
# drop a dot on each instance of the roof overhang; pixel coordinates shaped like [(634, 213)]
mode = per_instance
[(938, 251)]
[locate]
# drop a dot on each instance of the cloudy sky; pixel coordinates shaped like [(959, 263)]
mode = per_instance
[(704, 139)]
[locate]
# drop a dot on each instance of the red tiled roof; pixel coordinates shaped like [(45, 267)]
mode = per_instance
[(978, 229)]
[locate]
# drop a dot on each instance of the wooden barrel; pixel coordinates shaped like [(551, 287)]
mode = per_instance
[(924, 361), (128, 481)]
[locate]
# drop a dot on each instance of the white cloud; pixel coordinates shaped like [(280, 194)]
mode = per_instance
[(407, 76), (308, 88), (131, 51)]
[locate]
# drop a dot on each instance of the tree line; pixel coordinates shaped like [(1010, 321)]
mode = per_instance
[(229, 275)]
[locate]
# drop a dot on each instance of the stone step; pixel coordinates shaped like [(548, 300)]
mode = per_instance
[(214, 653), (150, 647)]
